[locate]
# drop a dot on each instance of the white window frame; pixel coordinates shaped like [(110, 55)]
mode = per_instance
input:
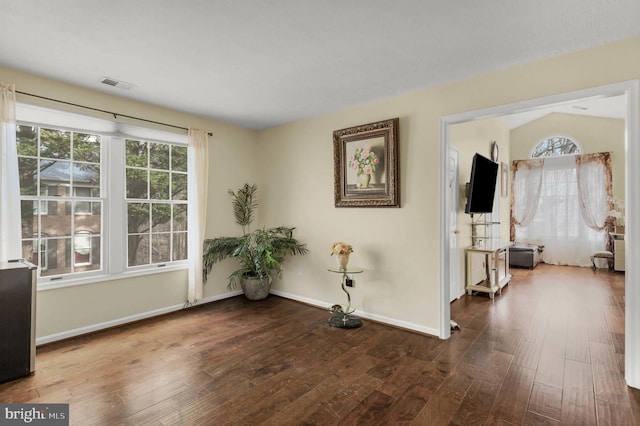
[(81, 199), (151, 202), (572, 139), (114, 213), (41, 249), (88, 236), (40, 207)]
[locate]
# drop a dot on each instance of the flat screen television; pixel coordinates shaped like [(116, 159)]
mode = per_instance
[(482, 185)]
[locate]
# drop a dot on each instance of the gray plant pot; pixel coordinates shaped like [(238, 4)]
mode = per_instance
[(255, 288)]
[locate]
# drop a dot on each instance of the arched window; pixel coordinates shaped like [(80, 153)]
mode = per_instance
[(555, 146)]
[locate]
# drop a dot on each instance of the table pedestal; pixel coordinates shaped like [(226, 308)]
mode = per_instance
[(341, 315), (345, 321)]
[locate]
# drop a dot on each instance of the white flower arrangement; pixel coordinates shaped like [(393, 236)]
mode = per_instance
[(617, 211)]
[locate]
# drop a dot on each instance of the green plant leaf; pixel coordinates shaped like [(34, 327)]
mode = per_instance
[(261, 252), (244, 204)]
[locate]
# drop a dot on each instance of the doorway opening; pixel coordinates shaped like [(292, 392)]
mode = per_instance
[(632, 197)]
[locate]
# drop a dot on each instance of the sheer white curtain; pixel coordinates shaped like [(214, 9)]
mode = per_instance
[(10, 223), (526, 185), (594, 188), (198, 158), (558, 223)]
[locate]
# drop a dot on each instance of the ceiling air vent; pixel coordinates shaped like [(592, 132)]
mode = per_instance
[(116, 83)]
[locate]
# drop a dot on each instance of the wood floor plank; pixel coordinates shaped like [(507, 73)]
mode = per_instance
[(618, 342), (513, 399), (534, 419), (481, 348), (510, 339), (438, 411), (634, 403), (614, 317), (577, 347), (152, 414), (263, 402), (609, 384), (546, 401), (409, 404), (614, 414), (326, 403), (578, 400), (451, 355), (336, 399), (409, 371), (370, 410), (528, 353), (476, 405), (550, 370)]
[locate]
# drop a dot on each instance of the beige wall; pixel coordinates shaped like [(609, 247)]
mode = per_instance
[(594, 134), (472, 137), (399, 248), (469, 138), (232, 161)]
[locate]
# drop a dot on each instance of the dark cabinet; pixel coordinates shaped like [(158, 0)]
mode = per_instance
[(17, 319)]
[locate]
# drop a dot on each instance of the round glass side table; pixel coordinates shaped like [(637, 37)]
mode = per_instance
[(341, 314)]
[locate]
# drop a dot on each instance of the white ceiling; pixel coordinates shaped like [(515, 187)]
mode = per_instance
[(262, 63), (605, 107)]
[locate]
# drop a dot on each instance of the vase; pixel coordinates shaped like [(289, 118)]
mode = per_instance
[(255, 288), (343, 260), (363, 181)]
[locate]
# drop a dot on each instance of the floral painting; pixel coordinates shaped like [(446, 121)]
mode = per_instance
[(364, 168), (366, 165)]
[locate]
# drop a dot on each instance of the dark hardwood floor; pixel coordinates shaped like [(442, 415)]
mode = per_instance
[(549, 350)]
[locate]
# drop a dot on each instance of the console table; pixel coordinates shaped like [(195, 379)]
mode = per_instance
[(618, 251), (341, 314), (495, 256)]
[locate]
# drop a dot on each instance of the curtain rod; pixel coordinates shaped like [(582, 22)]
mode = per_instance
[(115, 114)]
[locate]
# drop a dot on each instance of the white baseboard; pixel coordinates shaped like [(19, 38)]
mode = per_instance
[(120, 321), (374, 317), (144, 315), (461, 293)]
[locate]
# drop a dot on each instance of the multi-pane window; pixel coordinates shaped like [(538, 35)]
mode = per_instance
[(97, 204), (156, 197), (61, 199), (557, 145)]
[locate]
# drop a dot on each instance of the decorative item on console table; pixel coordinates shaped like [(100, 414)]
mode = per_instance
[(342, 252), (260, 252), (617, 214)]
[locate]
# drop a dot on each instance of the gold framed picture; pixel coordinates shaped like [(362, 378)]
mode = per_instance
[(366, 165)]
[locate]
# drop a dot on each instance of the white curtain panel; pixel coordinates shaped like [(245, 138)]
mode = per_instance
[(594, 188), (10, 223), (527, 181), (198, 160), (558, 222)]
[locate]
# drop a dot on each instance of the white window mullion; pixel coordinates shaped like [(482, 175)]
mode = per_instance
[(116, 219), (72, 201), (150, 231)]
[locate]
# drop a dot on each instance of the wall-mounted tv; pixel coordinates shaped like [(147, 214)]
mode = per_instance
[(482, 185)]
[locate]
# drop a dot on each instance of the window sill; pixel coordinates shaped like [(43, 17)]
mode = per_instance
[(95, 279)]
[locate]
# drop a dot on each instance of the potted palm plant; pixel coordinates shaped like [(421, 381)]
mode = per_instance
[(259, 252)]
